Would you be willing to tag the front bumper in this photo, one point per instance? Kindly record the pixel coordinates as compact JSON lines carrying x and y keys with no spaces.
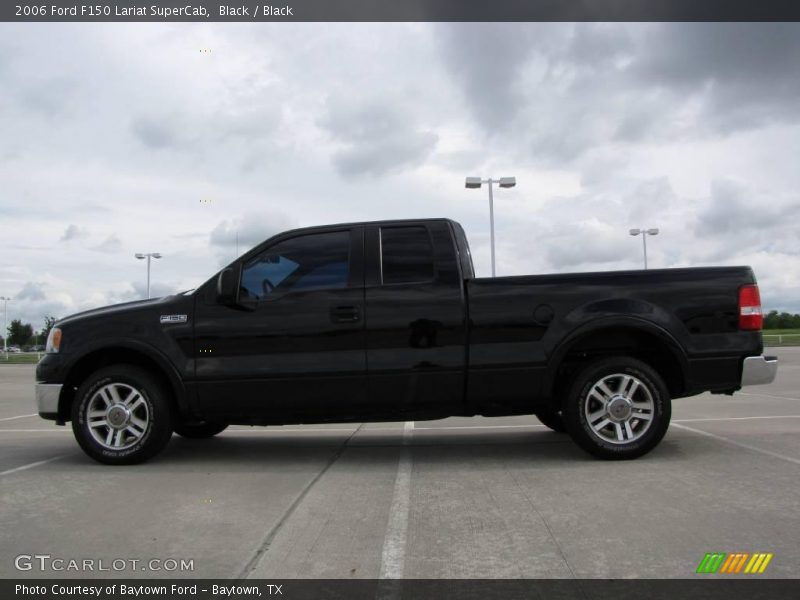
{"x":47,"y":396}
{"x":759,"y":370}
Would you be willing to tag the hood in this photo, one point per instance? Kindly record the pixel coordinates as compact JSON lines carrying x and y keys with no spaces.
{"x":113,"y":309}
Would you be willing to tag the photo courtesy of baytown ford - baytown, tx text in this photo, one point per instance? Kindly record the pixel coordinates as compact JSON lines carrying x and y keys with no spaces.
{"x":426,"y":299}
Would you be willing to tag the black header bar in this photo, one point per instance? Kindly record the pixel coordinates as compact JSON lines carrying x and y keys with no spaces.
{"x":399,"y":10}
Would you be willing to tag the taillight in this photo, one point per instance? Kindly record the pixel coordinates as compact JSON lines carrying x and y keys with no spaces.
{"x":750,"y":317}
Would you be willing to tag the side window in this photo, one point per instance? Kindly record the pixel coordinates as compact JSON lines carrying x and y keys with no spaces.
{"x":306,"y":262}
{"x":406,"y":255}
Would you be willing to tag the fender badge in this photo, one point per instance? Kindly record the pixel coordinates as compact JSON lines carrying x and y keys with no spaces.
{"x":174,"y":318}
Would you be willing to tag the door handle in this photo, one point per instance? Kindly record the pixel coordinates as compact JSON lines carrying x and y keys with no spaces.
{"x":345,"y":314}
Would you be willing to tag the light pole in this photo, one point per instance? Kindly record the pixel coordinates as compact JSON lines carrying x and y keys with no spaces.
{"x":148,"y":256}
{"x":644,"y":233}
{"x":5,"y":324}
{"x":503,"y":182}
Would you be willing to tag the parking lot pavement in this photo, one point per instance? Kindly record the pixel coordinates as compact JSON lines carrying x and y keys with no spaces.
{"x":462,"y":497}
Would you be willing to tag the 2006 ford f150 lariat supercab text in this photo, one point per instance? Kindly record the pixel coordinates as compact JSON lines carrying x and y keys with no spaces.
{"x":386,"y":321}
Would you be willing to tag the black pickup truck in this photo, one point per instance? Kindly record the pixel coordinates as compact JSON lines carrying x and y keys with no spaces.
{"x":386,"y":321}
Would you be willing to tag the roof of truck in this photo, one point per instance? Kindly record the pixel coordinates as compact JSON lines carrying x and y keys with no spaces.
{"x":362,"y":223}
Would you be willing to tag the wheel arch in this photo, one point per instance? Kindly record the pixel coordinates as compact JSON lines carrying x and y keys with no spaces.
{"x":620,"y":336}
{"x":121,"y":353}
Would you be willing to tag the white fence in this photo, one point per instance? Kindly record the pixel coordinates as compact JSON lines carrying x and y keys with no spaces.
{"x":781,"y":339}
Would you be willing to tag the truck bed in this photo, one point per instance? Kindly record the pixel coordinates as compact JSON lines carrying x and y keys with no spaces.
{"x":533,"y":318}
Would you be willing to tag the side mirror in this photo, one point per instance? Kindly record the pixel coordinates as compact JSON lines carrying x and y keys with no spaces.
{"x":227,"y":286}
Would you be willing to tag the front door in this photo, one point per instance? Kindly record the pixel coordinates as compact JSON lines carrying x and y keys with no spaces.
{"x":300,"y":347}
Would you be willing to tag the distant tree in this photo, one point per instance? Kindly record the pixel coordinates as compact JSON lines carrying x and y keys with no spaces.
{"x":19,"y":333}
{"x":771,"y":320}
{"x":48,"y":325}
{"x":784,"y":320}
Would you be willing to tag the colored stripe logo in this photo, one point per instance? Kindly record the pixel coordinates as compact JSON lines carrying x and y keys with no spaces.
{"x":736,"y":562}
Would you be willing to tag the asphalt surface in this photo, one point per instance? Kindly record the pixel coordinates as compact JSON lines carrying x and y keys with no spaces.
{"x":458,"y":498}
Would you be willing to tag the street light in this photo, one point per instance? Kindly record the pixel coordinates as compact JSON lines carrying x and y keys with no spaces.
{"x":148,"y":256}
{"x":644,"y":233}
{"x":503,"y":182}
{"x":5,"y":324}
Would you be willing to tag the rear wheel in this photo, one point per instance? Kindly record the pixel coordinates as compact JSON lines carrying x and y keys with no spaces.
{"x":121,"y":415}
{"x":201,"y":430}
{"x":618,"y":408}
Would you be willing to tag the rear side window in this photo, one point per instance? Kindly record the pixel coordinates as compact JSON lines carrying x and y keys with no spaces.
{"x":406,"y":255}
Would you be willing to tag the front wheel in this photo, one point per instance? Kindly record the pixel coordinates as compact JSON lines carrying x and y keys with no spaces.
{"x":121,"y":415}
{"x":618,"y":408}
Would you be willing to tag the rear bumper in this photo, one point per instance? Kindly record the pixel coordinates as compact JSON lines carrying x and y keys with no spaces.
{"x":47,"y":396}
{"x":759,"y":370}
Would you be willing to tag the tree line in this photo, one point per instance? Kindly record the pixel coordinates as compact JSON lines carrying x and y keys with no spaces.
{"x":22,"y":334}
{"x":775,"y":320}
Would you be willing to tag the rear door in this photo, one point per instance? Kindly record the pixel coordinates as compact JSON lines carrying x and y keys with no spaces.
{"x":416,"y":330}
{"x":302,"y":349}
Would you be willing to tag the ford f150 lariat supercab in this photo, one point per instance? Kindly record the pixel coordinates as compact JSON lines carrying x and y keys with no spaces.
{"x":386,"y":321}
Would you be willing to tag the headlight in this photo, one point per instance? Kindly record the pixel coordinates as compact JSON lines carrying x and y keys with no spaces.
{"x":53,"y":340}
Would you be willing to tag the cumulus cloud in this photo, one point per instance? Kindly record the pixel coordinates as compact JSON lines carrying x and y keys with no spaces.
{"x":648,"y":199}
{"x":52,"y":97}
{"x":570,"y":88}
{"x":31,"y":291}
{"x":732,"y":209}
{"x":592,"y":242}
{"x":247,"y":231}
{"x":137,"y":290}
{"x":111,"y":245}
{"x":73,"y":232}
{"x":740,"y":69}
{"x":378,"y":136}
{"x":158,"y":131}
{"x":194,"y":130}
{"x":34,"y":302}
{"x":487,"y":60}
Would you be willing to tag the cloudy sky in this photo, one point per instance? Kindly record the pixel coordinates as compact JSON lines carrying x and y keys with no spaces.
{"x":124,"y":138}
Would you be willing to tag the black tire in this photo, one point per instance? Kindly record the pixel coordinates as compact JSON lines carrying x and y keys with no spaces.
{"x":200,"y":431}
{"x":638,"y":437}
{"x":552,"y":419}
{"x":153,"y":400}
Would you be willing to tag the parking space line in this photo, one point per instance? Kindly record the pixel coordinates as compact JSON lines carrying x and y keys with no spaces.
{"x":31,"y":465}
{"x":19,"y":417}
{"x":59,"y":430}
{"x":260,"y":430}
{"x":768,"y":396}
{"x":739,"y":444}
{"x":394,"y":543}
{"x":482,"y":427}
{"x":737,"y":418}
{"x":553,"y":537}
{"x":264,"y":547}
